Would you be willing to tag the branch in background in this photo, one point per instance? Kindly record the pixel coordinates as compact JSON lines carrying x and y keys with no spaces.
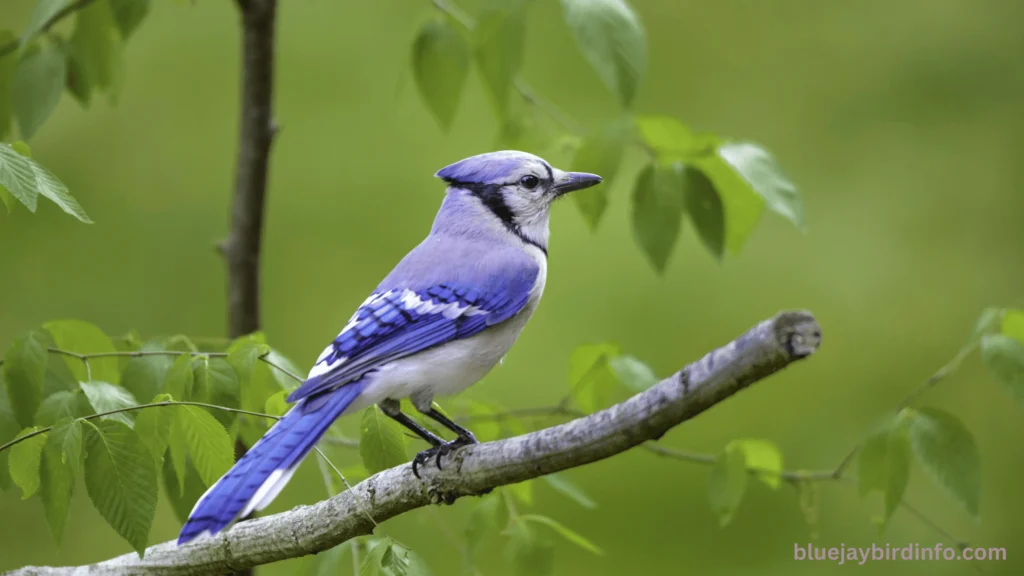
{"x":241,"y":249}
{"x":474,"y":470}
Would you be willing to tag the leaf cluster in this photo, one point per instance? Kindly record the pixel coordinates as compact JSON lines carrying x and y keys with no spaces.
{"x":720,"y":185}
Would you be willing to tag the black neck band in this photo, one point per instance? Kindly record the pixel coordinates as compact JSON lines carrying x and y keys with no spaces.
{"x":492,"y":198}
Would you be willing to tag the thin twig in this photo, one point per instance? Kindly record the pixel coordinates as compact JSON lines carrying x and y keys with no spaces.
{"x":910,"y":398}
{"x":139,"y":407}
{"x":343,"y":481}
{"x":141,"y":353}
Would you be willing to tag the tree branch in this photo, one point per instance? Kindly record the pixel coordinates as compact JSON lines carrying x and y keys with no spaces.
{"x":474,"y":470}
{"x":241,"y":249}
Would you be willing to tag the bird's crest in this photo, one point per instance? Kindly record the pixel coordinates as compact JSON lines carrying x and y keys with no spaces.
{"x":487,"y":168}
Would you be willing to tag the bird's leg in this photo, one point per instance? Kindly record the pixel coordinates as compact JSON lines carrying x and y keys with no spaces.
{"x":465,"y":437}
{"x":392,"y":408}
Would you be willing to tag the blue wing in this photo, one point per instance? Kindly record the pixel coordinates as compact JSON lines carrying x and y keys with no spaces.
{"x":403,"y":321}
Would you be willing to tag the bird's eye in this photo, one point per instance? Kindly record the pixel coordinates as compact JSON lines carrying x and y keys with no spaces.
{"x":529,"y":182}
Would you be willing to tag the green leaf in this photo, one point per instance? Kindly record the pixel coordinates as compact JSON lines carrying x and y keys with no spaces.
{"x":255,"y":382}
{"x":128,"y":14}
{"x":58,"y":406}
{"x":153,"y":425}
{"x":207,"y":442}
{"x":600,"y":153}
{"x":483,"y":520}
{"x":400,"y":561}
{"x":1004,"y":357}
{"x":36,"y":89}
{"x":527,"y":552}
{"x":8,"y":65}
{"x":61,"y":456}
{"x":591,"y":380}
{"x":85,"y":338}
{"x":373,"y":562}
{"x":5,"y":196}
{"x":77,"y":79}
{"x":762,"y":173}
{"x":987,"y":321}
{"x":96,"y":47}
{"x":144,"y":376}
{"x":1012,"y":325}
{"x":26,"y":180}
{"x":9,"y":428}
{"x":611,"y":38}
{"x":564,"y":532}
{"x":104,"y":397}
{"x":182,"y":495}
{"x":277,"y":405}
{"x":705,"y":210}
{"x":741,"y":205}
{"x":381,"y":441}
{"x":883,"y":465}
{"x":223,"y":390}
{"x":946,"y":451}
{"x":440,"y":64}
{"x":726,"y":484}
{"x":121,"y":480}
{"x":180,"y":379}
{"x":24,"y":461}
{"x":41,"y":14}
{"x":562,"y":484}
{"x":498,"y":41}
{"x":658,"y":212}
{"x":761,"y":456}
{"x":668,"y":138}
{"x":633,"y":373}
{"x":24,"y":369}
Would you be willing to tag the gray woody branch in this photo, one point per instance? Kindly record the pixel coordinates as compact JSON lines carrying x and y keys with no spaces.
{"x":765,"y":349}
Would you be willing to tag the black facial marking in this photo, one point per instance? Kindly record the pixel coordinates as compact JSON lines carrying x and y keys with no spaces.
{"x":491,"y":197}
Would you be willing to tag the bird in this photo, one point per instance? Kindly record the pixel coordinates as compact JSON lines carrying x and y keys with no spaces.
{"x":447,"y":313}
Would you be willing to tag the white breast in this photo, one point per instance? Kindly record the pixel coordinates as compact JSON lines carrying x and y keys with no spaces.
{"x":450,"y":368}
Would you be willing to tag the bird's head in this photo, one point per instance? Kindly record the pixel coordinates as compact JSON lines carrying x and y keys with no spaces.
{"x":517,"y":187}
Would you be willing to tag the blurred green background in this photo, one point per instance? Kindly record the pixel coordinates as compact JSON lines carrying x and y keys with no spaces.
{"x":901,"y":122}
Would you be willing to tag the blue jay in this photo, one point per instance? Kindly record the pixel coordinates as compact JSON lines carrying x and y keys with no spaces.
{"x":446,"y":315}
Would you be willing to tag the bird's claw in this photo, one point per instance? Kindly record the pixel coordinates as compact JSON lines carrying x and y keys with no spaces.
{"x":437,"y":452}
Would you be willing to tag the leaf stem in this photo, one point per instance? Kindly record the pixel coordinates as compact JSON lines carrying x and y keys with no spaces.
{"x":912,"y":397}
{"x":60,"y":15}
{"x":140,"y":353}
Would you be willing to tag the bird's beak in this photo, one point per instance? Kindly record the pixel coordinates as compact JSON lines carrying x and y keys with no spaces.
{"x":572,"y":181}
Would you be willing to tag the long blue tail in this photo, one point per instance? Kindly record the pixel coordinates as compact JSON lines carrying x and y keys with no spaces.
{"x":257,"y":478}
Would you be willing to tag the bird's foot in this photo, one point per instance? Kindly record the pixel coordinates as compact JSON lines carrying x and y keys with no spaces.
{"x":437,"y":452}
